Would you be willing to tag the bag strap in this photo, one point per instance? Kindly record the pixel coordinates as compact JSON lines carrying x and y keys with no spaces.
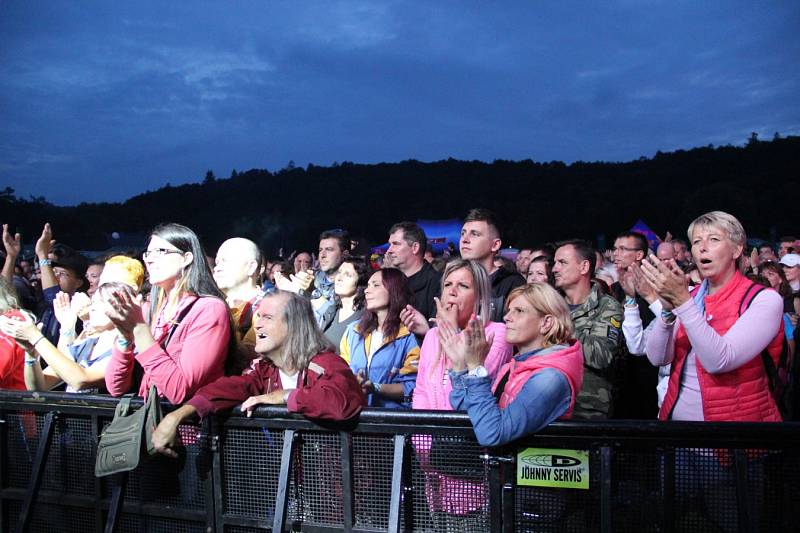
{"x":769,"y":365}
{"x":178,"y":320}
{"x":124,"y":406}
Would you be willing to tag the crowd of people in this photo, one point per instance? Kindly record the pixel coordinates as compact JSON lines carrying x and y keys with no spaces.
{"x":702,"y":329}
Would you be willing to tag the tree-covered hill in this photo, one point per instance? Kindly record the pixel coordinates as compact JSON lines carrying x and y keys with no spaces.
{"x":539,"y":200}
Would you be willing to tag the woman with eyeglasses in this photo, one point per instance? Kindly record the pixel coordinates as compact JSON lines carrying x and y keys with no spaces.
{"x":179,"y":341}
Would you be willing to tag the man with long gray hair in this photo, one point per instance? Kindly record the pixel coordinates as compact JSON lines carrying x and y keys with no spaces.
{"x":297,"y":367}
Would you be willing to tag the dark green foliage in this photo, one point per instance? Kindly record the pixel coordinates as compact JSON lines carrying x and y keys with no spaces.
{"x":539,"y":201}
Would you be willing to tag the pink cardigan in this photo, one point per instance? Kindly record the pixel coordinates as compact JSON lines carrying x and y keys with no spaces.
{"x":444,"y":493}
{"x":433,"y":381}
{"x":203,"y":335}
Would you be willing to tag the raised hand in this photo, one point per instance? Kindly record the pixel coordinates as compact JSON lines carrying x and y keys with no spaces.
{"x":45,"y":242}
{"x":12,"y":243}
{"x":414,"y":321}
{"x":65,"y":314}
{"x":124,"y":310}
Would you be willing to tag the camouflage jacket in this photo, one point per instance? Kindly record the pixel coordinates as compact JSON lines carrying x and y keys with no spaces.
{"x":598,"y":323}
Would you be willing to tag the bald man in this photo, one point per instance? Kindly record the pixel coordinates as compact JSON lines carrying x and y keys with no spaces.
{"x":236,"y":273}
{"x":665,"y":251}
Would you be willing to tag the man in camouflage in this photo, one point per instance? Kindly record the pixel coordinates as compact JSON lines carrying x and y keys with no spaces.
{"x":597,"y":318}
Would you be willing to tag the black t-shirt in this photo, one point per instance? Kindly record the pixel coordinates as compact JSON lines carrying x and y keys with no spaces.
{"x":426,"y":284}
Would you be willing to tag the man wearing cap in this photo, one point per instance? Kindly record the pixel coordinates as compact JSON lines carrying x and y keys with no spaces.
{"x":65,"y":274}
{"x":791,"y":269}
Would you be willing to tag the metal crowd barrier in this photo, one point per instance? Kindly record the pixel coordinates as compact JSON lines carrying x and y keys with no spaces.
{"x":394,"y":471}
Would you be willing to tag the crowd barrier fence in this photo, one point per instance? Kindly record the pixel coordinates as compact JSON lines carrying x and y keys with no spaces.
{"x":394,"y":471}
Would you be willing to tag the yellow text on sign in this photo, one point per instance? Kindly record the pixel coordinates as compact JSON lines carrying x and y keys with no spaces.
{"x":547,"y":467}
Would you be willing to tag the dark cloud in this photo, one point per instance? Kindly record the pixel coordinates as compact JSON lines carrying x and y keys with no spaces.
{"x":101,"y":101}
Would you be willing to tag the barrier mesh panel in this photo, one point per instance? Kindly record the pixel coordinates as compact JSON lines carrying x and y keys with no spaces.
{"x":47,"y":518}
{"x":372,"y":479}
{"x":637,"y":491}
{"x":451,"y":487}
{"x":177,"y":482}
{"x":149,"y":524}
{"x":705,"y":490}
{"x":71,"y":458}
{"x":251,"y":463}
{"x":315,"y":494}
{"x":559,"y":509}
{"x":71,"y":455}
{"x":23,"y":439}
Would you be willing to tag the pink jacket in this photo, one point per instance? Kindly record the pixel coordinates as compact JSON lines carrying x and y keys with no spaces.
{"x":433,"y":382}
{"x":445,"y":493}
{"x":195,"y":355}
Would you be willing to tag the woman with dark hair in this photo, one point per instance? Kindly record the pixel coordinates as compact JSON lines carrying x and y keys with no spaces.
{"x":540,"y":271}
{"x":379,"y":348}
{"x":180,"y":340}
{"x":348,"y":296}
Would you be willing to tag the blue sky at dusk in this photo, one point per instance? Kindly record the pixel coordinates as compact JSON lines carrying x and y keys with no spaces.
{"x":100,"y":101}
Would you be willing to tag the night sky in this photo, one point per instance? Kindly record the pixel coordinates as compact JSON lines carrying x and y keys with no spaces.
{"x":100,"y":101}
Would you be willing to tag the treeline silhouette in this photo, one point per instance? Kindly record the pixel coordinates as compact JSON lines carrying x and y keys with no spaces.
{"x":539,"y":201}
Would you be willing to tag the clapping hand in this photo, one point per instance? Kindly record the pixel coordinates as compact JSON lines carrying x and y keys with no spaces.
{"x":667,"y":280}
{"x":467,"y":349}
{"x":65,"y":312}
{"x":124,"y":309}
{"x":414,"y":321}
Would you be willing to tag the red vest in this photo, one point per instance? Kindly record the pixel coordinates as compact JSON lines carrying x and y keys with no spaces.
{"x":568,"y":361}
{"x":739,"y":395}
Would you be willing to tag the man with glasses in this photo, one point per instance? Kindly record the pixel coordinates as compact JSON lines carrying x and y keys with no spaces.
{"x":634,"y":378}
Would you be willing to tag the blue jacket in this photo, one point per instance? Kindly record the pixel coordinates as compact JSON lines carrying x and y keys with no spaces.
{"x":543,"y":398}
{"x":394,"y":362}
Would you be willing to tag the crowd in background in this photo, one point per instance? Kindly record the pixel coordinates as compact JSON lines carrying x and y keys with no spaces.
{"x":695,"y":329}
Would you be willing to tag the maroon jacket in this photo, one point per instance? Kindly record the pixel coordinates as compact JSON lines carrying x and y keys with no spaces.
{"x":327,"y":390}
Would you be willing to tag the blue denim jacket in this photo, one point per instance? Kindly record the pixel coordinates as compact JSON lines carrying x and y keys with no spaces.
{"x":543,"y":398}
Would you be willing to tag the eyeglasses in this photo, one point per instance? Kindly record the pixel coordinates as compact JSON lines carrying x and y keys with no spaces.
{"x":158,"y":252}
{"x":62,"y":274}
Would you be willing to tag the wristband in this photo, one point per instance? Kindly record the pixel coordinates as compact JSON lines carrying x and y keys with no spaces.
{"x":45,"y":262}
{"x":630,"y":301}
{"x":37,"y":341}
{"x":66,"y":332}
{"x":376,"y":387}
{"x":31,"y":362}
{"x":668,"y":317}
{"x":123,"y":344}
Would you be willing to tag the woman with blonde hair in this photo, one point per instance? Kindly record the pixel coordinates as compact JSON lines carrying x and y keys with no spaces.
{"x":714,"y":335}
{"x":538,"y":386}
{"x":466,"y":292}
